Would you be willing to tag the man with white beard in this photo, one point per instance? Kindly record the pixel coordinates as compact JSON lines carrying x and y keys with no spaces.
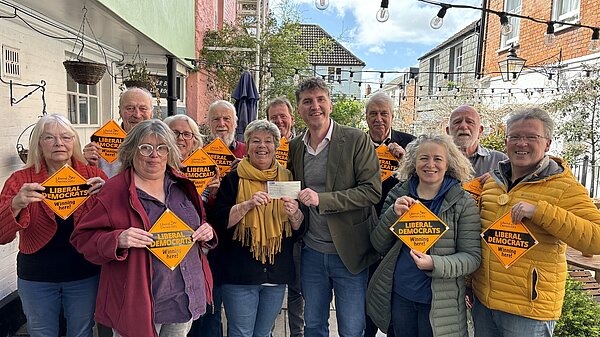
{"x":465,"y":129}
{"x":222,"y":120}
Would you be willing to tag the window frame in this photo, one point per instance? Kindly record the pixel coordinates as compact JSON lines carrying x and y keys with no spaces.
{"x":78,"y":95}
{"x":434,"y":71}
{"x":571,"y":16}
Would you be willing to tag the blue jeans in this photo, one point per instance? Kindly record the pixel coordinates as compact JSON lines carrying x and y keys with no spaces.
{"x":410,"y":318}
{"x":251,"y":310}
{"x":496,"y":323}
{"x":42,"y":302}
{"x":322,"y":273}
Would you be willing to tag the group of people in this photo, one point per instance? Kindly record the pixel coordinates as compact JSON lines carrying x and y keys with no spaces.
{"x":333,"y":238}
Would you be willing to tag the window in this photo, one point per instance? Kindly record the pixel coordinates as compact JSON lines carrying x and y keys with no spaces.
{"x":456,"y":64}
{"x":565,"y":10}
{"x":82,"y":103}
{"x":434,"y":73}
{"x":513,"y":7}
{"x":334,"y":74}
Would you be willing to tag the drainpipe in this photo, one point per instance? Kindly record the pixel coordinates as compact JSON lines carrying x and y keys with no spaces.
{"x":171,"y":86}
{"x":479,"y":65}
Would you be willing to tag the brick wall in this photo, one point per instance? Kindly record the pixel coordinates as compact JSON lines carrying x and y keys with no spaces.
{"x":573,"y":41}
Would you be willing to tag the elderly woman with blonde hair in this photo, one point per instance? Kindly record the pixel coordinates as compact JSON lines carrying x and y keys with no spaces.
{"x":255,"y":233}
{"x":51,"y":274}
{"x":423,"y":294}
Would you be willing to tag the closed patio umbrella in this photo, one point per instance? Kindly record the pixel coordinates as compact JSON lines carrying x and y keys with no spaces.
{"x":246,"y":101}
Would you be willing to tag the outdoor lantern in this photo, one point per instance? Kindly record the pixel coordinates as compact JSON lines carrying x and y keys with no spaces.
{"x":511,"y":66}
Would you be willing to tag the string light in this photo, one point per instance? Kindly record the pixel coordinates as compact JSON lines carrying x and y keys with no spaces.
{"x":383,"y":14}
{"x":594,"y":45}
{"x":438,"y":20}
{"x":322,"y":4}
{"x":506,"y":27}
{"x":549,"y":37}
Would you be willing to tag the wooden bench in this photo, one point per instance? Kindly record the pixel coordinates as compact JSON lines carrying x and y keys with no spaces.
{"x":575,"y":258}
{"x":590,"y":285}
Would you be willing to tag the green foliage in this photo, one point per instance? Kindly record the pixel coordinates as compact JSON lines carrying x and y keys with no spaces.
{"x":348,"y":111}
{"x":580,"y":314}
{"x":494,"y":140}
{"x":573,"y":151}
{"x":139,"y":72}
{"x":578,"y":112}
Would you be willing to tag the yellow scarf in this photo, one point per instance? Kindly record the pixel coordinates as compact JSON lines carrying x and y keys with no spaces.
{"x":262,"y":227}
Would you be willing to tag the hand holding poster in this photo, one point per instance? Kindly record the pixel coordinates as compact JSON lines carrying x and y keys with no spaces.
{"x":282,"y":152}
{"x":220,"y":154}
{"x":388,"y":164}
{"x":200,"y":169}
{"x":172,"y":239}
{"x":66,"y":190}
{"x":475,"y":188}
{"x":109,"y":137}
{"x":419,"y":228}
{"x":507,"y":240}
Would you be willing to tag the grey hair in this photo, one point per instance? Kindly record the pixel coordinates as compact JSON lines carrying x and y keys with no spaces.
{"x":459,"y":167}
{"x":532,"y":113}
{"x":151,"y":127}
{"x":35,"y":155}
{"x":280,"y":101}
{"x":225,"y":104}
{"x":380,"y":98}
{"x":193,"y":126}
{"x":131,"y":89}
{"x":262,"y":125}
{"x":311,"y":83}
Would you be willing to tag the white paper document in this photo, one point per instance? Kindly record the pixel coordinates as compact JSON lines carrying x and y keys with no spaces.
{"x":278,"y":189}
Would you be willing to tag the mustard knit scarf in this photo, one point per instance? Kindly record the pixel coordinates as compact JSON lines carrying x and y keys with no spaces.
{"x":262,"y":227}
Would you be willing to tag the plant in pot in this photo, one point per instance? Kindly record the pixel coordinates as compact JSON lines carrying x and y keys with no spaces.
{"x":140,"y":77}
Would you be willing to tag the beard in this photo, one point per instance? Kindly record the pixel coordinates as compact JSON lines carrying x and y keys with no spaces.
{"x":465,"y":143}
{"x":228,"y":139}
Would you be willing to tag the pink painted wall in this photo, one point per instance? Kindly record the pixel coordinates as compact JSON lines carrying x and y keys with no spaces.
{"x":198,"y":96}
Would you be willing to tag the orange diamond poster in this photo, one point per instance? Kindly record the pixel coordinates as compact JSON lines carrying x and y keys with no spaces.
{"x":419,"y":228}
{"x":172,"y":239}
{"x":200,"y":169}
{"x":221,"y":155}
{"x":282,"y":152}
{"x":388,"y":164}
{"x":109,"y":137}
{"x":66,"y":190}
{"x":474,"y":187}
{"x":507,"y":240}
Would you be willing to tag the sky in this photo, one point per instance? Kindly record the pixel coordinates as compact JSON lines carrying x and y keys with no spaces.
{"x":393,"y":45}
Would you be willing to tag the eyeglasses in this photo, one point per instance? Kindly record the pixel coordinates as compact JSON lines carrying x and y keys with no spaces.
{"x":48,"y":139}
{"x":526,"y":138}
{"x":146,"y":150}
{"x":186,"y":134}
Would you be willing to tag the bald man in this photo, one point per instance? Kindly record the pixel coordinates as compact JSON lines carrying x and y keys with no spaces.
{"x":465,"y":129}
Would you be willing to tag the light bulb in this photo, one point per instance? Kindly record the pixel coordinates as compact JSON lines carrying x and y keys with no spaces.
{"x":322,"y":4}
{"x":383,"y":14}
{"x":549,"y":40}
{"x":436,"y":22}
{"x":594,"y":45}
{"x":506,"y":29}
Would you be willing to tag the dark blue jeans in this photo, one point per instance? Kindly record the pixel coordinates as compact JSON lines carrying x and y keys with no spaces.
{"x":410,"y":319}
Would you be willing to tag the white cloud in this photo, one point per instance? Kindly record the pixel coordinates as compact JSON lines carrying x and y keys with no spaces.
{"x":377,"y":50}
{"x":408,"y":22}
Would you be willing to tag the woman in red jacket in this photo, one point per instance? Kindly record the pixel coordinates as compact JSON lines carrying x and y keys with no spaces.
{"x":138,"y":295}
{"x":51,"y":273}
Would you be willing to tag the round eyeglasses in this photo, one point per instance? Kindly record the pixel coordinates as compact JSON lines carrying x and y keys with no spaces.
{"x":146,"y":150}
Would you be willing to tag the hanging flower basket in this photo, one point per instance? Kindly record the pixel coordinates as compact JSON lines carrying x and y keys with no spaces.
{"x":139,"y":84}
{"x":88,"y":73}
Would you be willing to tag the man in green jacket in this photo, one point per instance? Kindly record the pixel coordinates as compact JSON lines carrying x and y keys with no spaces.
{"x":341,"y":183}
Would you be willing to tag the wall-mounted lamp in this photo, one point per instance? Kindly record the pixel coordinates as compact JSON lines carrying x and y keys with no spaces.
{"x":511,"y":66}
